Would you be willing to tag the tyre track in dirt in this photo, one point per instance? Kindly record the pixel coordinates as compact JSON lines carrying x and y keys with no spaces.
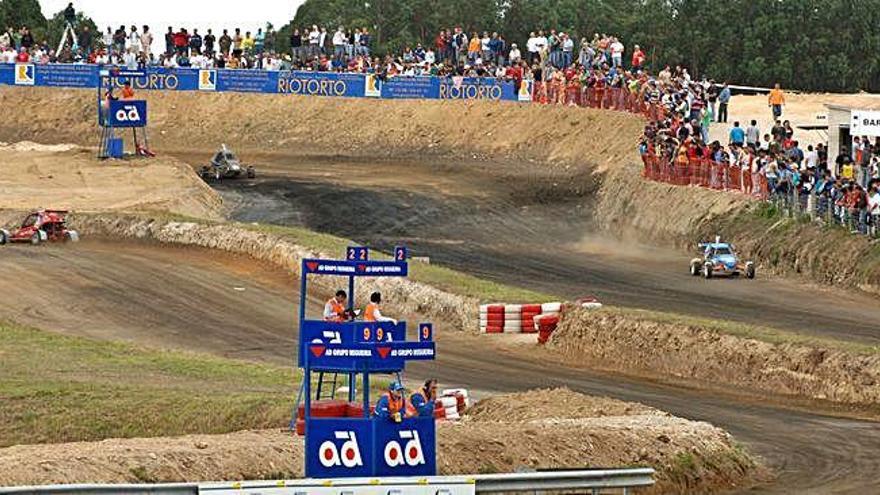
{"x":186,"y":298}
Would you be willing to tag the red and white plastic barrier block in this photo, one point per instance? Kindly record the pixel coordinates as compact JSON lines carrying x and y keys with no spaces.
{"x":527,"y":318}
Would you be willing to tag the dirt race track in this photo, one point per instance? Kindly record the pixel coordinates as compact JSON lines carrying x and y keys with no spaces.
{"x":201,"y":300}
{"x":509,"y":231}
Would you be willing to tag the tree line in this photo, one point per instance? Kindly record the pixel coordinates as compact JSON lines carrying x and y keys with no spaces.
{"x":813,"y":45}
{"x":17,"y":13}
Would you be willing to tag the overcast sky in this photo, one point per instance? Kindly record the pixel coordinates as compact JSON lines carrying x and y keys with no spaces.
{"x":201,"y":14}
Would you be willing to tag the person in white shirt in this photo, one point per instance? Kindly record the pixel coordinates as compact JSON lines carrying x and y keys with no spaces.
{"x":339,"y":40}
{"x":130,"y":59}
{"x":811,"y":159}
{"x":616,"y":52}
{"x":430,"y":58}
{"x":134,"y":39}
{"x":107,"y":38}
{"x":514,"y":55}
{"x":874,"y":208}
{"x":314,"y":41}
{"x":147,"y":41}
{"x":532,"y":48}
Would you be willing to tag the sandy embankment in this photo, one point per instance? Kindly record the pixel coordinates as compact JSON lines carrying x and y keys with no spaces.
{"x":635,"y":345}
{"x":538,"y":429}
{"x":70,"y":177}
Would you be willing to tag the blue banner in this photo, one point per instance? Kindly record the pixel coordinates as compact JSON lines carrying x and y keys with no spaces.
{"x":356,"y":268}
{"x":350,"y":447}
{"x":328,"y":333}
{"x":260,"y":81}
{"x":449,"y":88}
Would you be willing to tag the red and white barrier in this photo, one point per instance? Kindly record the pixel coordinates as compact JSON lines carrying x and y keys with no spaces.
{"x":527,"y":318}
{"x":514,"y":318}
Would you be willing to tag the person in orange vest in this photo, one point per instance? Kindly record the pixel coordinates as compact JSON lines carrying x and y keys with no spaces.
{"x":372,"y":313}
{"x":421,"y":403}
{"x":390,"y":405}
{"x":127,"y":91}
{"x":334,"y":310}
{"x":776,"y":100}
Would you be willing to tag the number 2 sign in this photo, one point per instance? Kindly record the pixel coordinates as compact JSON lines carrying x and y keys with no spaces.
{"x":400,"y":254}
{"x":357,"y":253}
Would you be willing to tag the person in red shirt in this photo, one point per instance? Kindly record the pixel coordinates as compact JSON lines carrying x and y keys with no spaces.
{"x":181,"y":41}
{"x":515,"y":73}
{"x":23,"y":56}
{"x":638,"y":59}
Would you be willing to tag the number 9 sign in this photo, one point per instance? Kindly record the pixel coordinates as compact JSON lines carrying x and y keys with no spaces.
{"x":367,"y":334}
{"x":400,"y":254}
{"x":380,"y":334}
{"x":426,"y":332}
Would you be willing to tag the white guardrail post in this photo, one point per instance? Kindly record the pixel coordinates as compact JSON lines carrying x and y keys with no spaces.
{"x":595,"y":480}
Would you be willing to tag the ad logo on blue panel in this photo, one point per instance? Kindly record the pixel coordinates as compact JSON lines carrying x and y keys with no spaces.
{"x":131,"y":113}
{"x":24,"y":74}
{"x":338,"y":448}
{"x":406,"y":449}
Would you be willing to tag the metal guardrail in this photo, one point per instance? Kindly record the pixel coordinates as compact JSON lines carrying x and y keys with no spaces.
{"x":540,"y":481}
{"x":595,"y":480}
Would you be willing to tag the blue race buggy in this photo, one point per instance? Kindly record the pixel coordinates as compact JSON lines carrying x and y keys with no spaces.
{"x":719,"y":258}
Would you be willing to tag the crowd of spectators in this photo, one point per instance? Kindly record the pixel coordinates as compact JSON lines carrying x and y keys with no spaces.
{"x":769,"y":163}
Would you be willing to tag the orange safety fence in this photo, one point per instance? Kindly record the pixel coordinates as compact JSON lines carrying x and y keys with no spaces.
{"x":704,"y":173}
{"x":685,"y":172}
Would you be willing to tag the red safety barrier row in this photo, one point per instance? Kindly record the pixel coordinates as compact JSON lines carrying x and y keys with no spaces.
{"x":574,"y":94}
{"x":705,"y":173}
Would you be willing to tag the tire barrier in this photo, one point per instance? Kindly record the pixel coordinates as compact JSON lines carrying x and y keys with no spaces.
{"x":492,"y":318}
{"x":514,"y":318}
{"x":451,"y":404}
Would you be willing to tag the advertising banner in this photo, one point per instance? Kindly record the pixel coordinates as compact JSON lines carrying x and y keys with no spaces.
{"x":331,"y":84}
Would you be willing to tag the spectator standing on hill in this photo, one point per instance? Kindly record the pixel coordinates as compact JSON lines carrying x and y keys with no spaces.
{"x":295,"y":45}
{"x":776,"y":101}
{"x":225,"y":43}
{"x":616,"y":52}
{"x":85,"y":40}
{"x":147,"y":42}
{"x":723,"y":102}
{"x":753,"y":135}
{"x":119,"y":38}
{"x":169,"y":40}
{"x":638,"y":59}
{"x":195,"y":42}
{"x":737,"y":135}
{"x":209,"y":40}
{"x":134,"y":39}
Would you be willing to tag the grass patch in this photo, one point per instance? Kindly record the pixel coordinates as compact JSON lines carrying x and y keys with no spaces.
{"x":56,"y":388}
{"x":745,"y":330}
{"x":437,"y":276}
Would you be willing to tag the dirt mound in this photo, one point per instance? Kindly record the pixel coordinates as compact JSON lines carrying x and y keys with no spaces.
{"x":362,"y":127}
{"x":687,"y":455}
{"x":529,"y":406}
{"x":66,"y":176}
{"x":635,"y":345}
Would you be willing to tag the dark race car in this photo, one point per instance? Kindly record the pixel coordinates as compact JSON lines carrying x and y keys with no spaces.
{"x":41,"y":226}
